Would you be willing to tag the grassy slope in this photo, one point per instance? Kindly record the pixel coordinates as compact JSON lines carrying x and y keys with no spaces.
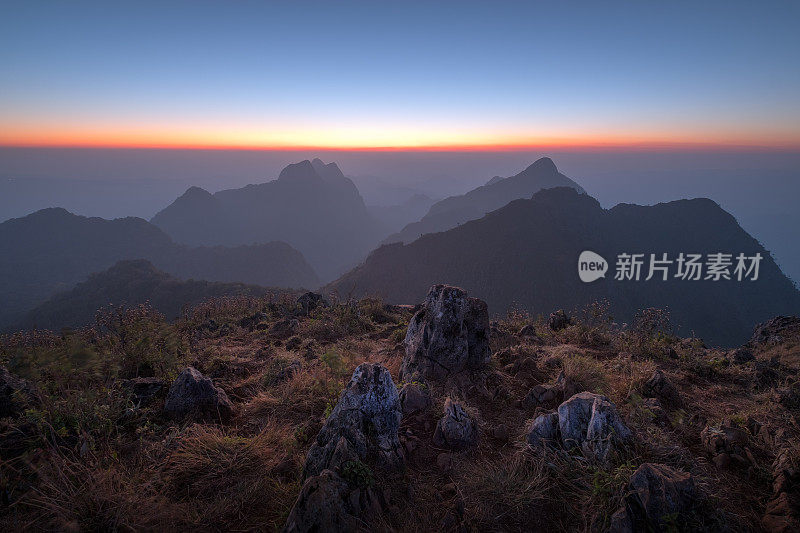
{"x":88,"y":460}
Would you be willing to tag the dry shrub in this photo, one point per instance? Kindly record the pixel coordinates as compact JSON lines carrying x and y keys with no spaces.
{"x":74,"y":495}
{"x":588,"y":374}
{"x":228,"y":478}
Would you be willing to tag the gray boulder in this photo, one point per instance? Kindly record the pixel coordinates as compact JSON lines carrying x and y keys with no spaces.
{"x":363,"y":425}
{"x":658,"y":499}
{"x":16,"y":394}
{"x":192,"y":395}
{"x":456,"y":429}
{"x":544,"y":430}
{"x":448,"y":335}
{"x":414,"y":398}
{"x":322,"y":506}
{"x":591,"y":422}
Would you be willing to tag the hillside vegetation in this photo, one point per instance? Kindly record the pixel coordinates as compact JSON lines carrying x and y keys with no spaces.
{"x":88,"y":442}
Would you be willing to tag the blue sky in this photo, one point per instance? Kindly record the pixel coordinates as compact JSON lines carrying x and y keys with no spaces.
{"x":355,"y":74}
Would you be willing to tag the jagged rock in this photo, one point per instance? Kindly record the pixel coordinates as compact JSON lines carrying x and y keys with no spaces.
{"x":725,"y":444}
{"x":542,"y":396}
{"x":741,"y":356}
{"x":544,"y":430}
{"x":658,"y":386}
{"x":559,"y":320}
{"x":448,"y":335}
{"x":323,"y":505}
{"x":658,"y":499}
{"x":414,"y":398}
{"x":775,"y":330}
{"x":456,"y":429}
{"x":16,"y":394}
{"x":591,"y":422}
{"x":194,"y":395}
{"x":366,"y":420}
{"x":283,"y":329}
{"x":310,"y":301}
{"x":143,"y":390}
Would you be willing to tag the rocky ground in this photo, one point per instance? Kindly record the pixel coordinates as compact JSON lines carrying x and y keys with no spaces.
{"x":310,"y":415}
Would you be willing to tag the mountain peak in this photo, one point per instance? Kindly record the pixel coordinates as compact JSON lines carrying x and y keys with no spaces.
{"x":195,"y":192}
{"x":304,"y":170}
{"x":544,"y":164}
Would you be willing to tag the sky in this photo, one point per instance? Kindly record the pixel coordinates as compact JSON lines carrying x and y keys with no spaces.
{"x":400,"y":75}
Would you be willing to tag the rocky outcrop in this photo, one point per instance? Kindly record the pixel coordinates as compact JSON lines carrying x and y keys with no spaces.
{"x":658,"y":499}
{"x":329,"y":502}
{"x":362,"y":426}
{"x":192,"y":395}
{"x":16,"y":394}
{"x":456,"y":430}
{"x":414,"y":398}
{"x":591,"y":422}
{"x":448,"y":335}
{"x":544,"y":431}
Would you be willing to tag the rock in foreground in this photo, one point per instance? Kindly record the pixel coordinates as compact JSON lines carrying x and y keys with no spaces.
{"x":448,"y":335}
{"x":192,"y":395}
{"x":659,"y":498}
{"x":362,"y":426}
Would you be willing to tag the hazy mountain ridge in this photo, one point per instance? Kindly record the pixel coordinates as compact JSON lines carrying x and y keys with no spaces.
{"x":526,"y":254}
{"x":497,"y":192}
{"x":129,"y":283}
{"x":52,"y":250}
{"x":312,"y":206}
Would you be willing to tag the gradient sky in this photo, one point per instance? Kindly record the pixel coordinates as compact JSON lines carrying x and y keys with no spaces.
{"x":375,"y":74}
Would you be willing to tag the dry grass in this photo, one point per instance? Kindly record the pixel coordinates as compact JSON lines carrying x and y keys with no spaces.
{"x":84,"y":470}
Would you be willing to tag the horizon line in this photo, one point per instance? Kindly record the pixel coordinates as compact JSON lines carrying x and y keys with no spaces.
{"x":634,"y":146}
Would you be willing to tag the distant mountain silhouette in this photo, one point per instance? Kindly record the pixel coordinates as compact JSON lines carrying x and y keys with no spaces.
{"x":52,"y":250}
{"x":130,"y":282}
{"x":311,"y":206}
{"x":497,"y":192}
{"x":395,"y":217}
{"x":526,"y":254}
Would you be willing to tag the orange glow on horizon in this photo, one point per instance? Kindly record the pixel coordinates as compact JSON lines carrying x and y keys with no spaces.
{"x":364,"y":140}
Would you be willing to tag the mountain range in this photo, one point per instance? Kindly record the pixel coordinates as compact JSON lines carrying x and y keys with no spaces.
{"x":128,"y":283}
{"x":312,"y":206}
{"x":52,"y":250}
{"x":526,"y":255}
{"x":497,"y":192}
